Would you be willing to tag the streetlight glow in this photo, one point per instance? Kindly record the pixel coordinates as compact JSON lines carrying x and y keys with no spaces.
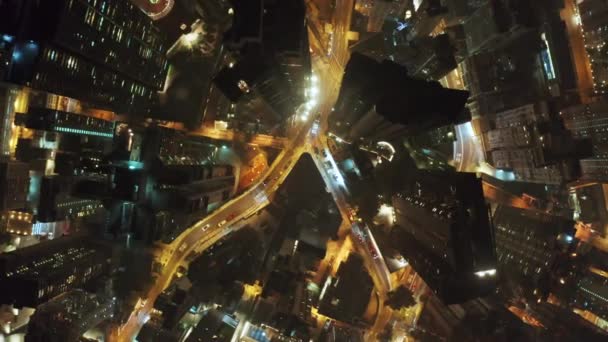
{"x":191,"y":37}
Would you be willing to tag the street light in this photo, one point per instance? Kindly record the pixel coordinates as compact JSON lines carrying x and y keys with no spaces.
{"x":191,"y":37}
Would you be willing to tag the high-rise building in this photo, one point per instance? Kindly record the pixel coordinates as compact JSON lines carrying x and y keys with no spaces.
{"x":528,"y":244}
{"x":498,"y":72}
{"x":183,"y":180}
{"x":64,"y":122}
{"x":474,"y":319}
{"x":590,"y":121}
{"x":591,"y":294}
{"x":346,"y":296}
{"x":594,"y":18}
{"x":31,"y":276}
{"x":532,"y":143}
{"x":495,"y":22}
{"x":402,"y":102}
{"x":271,"y":75}
{"x":107,"y":53}
{"x":503,"y":78}
{"x":435,"y":58}
{"x":14,"y":184}
{"x":444,"y":231}
{"x":561,"y":324}
{"x":68,"y":316}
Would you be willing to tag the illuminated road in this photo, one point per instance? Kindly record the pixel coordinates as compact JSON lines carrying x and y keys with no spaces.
{"x":214,"y":227}
{"x":366,"y":246}
{"x":226,"y":219}
{"x":468,"y":152}
{"x":230,"y":135}
{"x":579,"y":55}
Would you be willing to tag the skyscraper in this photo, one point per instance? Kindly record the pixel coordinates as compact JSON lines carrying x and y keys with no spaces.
{"x":589,"y":121}
{"x":32,"y":275}
{"x":401,"y":102}
{"x":532,"y":143}
{"x":444,"y":231}
{"x":68,"y":316}
{"x":527,"y":246}
{"x":591,"y":294}
{"x":107,"y":53}
{"x":14,"y":184}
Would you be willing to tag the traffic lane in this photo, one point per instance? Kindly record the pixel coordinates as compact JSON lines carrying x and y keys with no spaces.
{"x":190,"y":238}
{"x":362,"y":235}
{"x":342,"y":19}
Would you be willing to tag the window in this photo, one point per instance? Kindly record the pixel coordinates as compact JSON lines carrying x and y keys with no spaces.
{"x":89,"y":18}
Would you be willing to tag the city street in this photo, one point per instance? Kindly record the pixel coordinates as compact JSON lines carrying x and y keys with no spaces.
{"x":580,"y":58}
{"x":224,"y":221}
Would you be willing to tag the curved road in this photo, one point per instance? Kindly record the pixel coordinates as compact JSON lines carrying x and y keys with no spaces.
{"x":213,"y":228}
{"x":224,"y":221}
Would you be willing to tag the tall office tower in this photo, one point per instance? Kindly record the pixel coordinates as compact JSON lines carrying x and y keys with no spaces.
{"x":481,"y":318}
{"x":166,"y":177}
{"x":430,"y":58}
{"x":14,"y":184}
{"x":273,"y":60}
{"x":401,"y":102}
{"x":528,"y":244}
{"x":196,"y":30}
{"x":488,"y":25}
{"x":58,"y":121}
{"x":503,"y":78}
{"x":431,"y":16}
{"x":590,"y":121}
{"x":444,"y":231}
{"x":32,"y":275}
{"x":68,"y":316}
{"x":530,"y":141}
{"x":591,"y":294}
{"x":594,"y":18}
{"x":182,"y":165}
{"x":107,"y":53}
{"x":346,"y":296}
{"x":499,"y":73}
{"x":379,"y":11}
{"x":561,"y":324}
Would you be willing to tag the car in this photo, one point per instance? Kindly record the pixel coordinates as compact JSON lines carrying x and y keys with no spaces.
{"x":183,"y":247}
{"x":231,"y":217}
{"x":325,"y":154}
{"x":205,"y":227}
{"x":223,"y":222}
